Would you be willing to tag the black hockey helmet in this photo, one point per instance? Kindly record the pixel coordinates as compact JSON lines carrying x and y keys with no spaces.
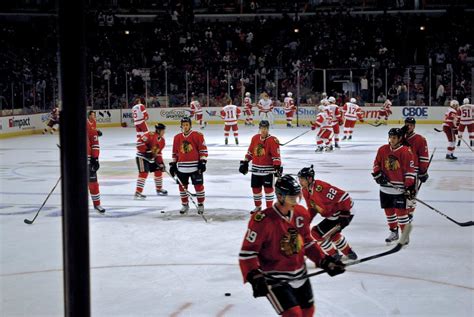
{"x":410,"y":120}
{"x":287,"y":185}
{"x":264,"y":124}
{"x":160,"y":126}
{"x":186,"y":119}
{"x":306,"y":172}
{"x":395,"y":131}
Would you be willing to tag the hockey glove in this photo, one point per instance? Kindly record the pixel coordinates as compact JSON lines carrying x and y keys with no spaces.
{"x":173,"y":169}
{"x":410,"y":192}
{"x":160,"y":167}
{"x":259,"y":284}
{"x":244,"y":167}
{"x":332,"y":266}
{"x":278,"y":170}
{"x":345,"y":218}
{"x":423,"y":177}
{"x":202,"y":166}
{"x":152,"y":166}
{"x":380,"y":178}
{"x":99,"y":133}
{"x":94,"y":164}
{"x":149,"y":156}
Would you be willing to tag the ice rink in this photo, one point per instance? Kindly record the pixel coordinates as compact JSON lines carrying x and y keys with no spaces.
{"x":148,"y":263}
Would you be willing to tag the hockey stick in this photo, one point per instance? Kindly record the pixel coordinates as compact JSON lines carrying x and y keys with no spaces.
{"x":404,"y":238}
{"x":429,"y":163}
{"x":465,"y":142}
{"x":29,"y":222}
{"x":375,"y":125}
{"x":190,"y":196}
{"x":283,"y":144}
{"x":437,"y":130}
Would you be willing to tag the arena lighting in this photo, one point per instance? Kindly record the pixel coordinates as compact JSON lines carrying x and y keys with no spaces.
{"x":127,"y":32}
{"x":422,"y":28}
{"x":296,"y":30}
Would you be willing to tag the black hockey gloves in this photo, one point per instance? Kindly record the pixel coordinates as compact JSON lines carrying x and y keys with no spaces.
{"x":202,"y":166}
{"x":423,"y":177}
{"x":331,"y":266}
{"x":380,"y":178}
{"x":278,"y":170}
{"x":99,"y":133}
{"x":173,"y":169}
{"x":244,"y":167}
{"x":259,"y":284}
{"x":410,"y":192}
{"x":94,"y":164}
{"x":345,"y":218}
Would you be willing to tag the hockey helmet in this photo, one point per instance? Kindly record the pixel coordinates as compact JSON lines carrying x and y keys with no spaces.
{"x":353,"y":100}
{"x":321,"y":108}
{"x":264,"y":124}
{"x":324,"y":101}
{"x":388,"y":102}
{"x":186,"y":119}
{"x":395,"y":132}
{"x":289,"y":94}
{"x":159,"y":127}
{"x":306,"y":172}
{"x":465,"y":101}
{"x":410,"y":120}
{"x":287,"y":185}
{"x":247,"y":94}
{"x":332,"y":99}
{"x":454,"y":103}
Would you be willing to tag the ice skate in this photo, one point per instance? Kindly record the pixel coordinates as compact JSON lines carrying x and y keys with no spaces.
{"x":336,"y":145}
{"x":352,"y":256}
{"x":236,"y":141}
{"x":200,"y":209}
{"x":226,"y":141}
{"x":139,"y":196}
{"x":470,"y":142}
{"x":344,"y":138}
{"x":329,"y":148}
{"x":162,"y":192}
{"x":319,"y":149}
{"x":392,"y":237}
{"x":99,"y":209}
{"x":459,"y":143}
{"x":350,"y":137}
{"x":337,"y":257}
{"x":184,"y":209}
{"x":451,"y":157}
{"x":256,"y":209}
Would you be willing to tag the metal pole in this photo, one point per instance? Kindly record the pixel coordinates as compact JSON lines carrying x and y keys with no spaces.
{"x":242,"y":86}
{"x":146,"y":93}
{"x":228,"y":83}
{"x":126,"y":89}
{"x":429,"y":88}
{"x":297,"y":97}
{"x":44,"y":98}
{"x":108,"y":93}
{"x":324,"y":80}
{"x":207,"y":87}
{"x":373,"y":84}
{"x":74,"y":169}
{"x":166,"y":87}
{"x":23,"y":94}
{"x":187,"y":92}
{"x":386,"y":83}
{"x":452,"y":83}
{"x":276,"y":83}
{"x":92,"y":90}
{"x":408,"y":87}
{"x":13,"y":98}
{"x":256,"y":88}
{"x":351,"y":84}
{"x":472,"y":86}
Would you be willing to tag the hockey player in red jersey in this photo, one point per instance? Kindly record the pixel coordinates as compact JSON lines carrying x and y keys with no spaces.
{"x":384,"y":112}
{"x":289,"y":108}
{"x":394,"y":171}
{"x":248,"y":109}
{"x":419,"y":148}
{"x":196,"y":111}
{"x":53,"y":121}
{"x":272,"y":257}
{"x":230,"y":114}
{"x":336,"y":118}
{"x":351,"y":112}
{"x":150,"y":159}
{"x":264,"y":152}
{"x":450,"y":128}
{"x":325,"y":133}
{"x":189,"y":161}
{"x":93,"y":151}
{"x":140,"y":116}
{"x":465,"y":120}
{"x":334,"y":205}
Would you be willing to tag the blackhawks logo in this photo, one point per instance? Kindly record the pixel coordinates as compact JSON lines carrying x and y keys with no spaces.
{"x":392,"y":163}
{"x":185,"y":147}
{"x":155,"y":150}
{"x":259,"y":150}
{"x":291,"y":243}
{"x":259,"y":216}
{"x":315,"y":206}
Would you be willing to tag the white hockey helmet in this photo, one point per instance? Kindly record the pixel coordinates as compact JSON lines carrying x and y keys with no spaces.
{"x":324,"y":101}
{"x":388,"y":102}
{"x":324,"y":95}
{"x":353,"y":100}
{"x":454,"y":103}
{"x":332,"y":99}
{"x":289,"y":94}
{"x":465,"y":101}
{"x":247,"y":94}
{"x":321,"y":108}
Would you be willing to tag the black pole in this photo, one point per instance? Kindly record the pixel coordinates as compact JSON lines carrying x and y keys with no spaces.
{"x":74,"y":158}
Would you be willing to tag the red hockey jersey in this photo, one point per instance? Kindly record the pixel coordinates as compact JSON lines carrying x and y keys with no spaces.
{"x":327,"y":200}
{"x":93,"y":148}
{"x":277,"y":244}
{"x":188,"y":149}
{"x":264,"y":154}
{"x":398,"y":167}
{"x":419,"y":148}
{"x":151,"y":142}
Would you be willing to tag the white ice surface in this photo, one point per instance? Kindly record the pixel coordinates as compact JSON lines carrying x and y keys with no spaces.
{"x":148,"y":263}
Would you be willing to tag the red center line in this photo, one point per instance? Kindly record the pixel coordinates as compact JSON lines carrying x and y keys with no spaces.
{"x":181,"y":309}
{"x":224,"y":310}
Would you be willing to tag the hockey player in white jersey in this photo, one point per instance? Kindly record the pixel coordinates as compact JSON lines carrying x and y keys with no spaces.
{"x":289,"y":108}
{"x":248,"y":109}
{"x":230,"y":114}
{"x":265,"y":106}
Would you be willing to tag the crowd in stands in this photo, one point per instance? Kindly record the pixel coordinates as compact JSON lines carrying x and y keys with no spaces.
{"x":128,"y":56}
